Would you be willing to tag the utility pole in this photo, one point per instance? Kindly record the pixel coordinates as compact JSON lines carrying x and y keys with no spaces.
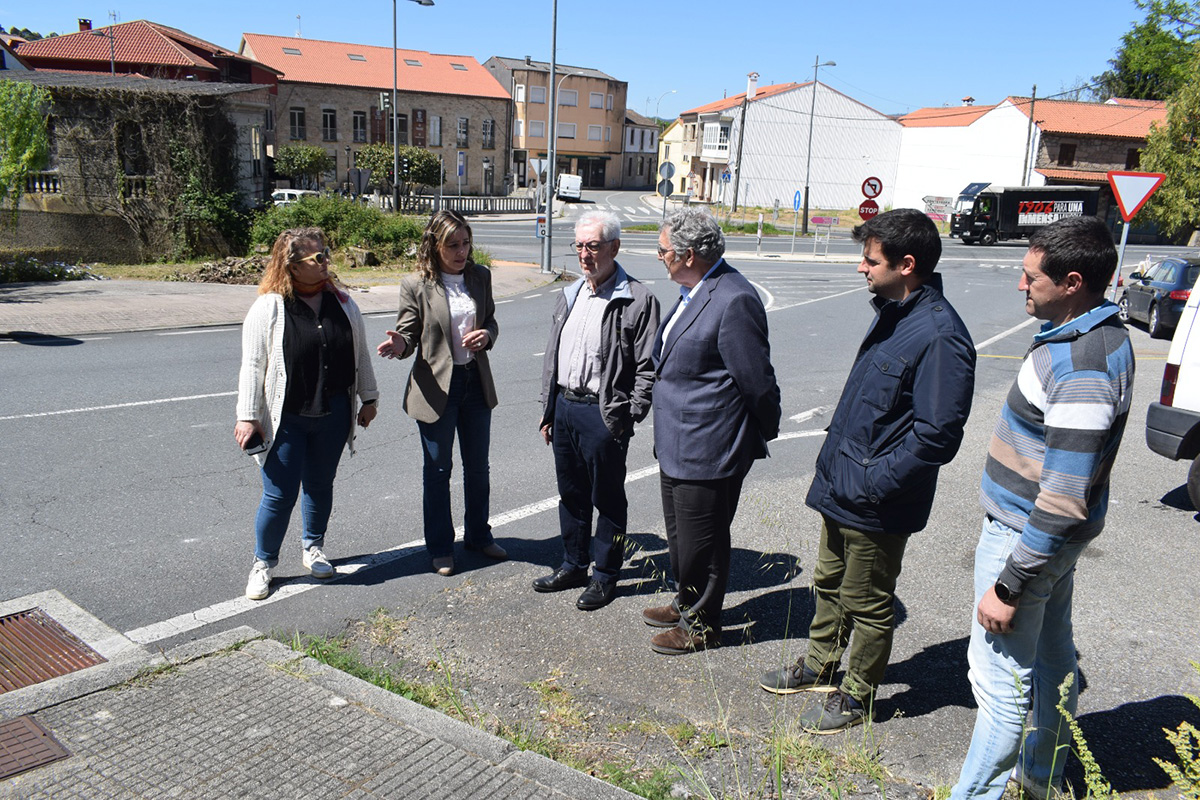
{"x":1028,"y":138}
{"x":751,"y":86}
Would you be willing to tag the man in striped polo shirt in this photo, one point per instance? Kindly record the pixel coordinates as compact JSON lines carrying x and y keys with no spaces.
{"x":1045,"y":492}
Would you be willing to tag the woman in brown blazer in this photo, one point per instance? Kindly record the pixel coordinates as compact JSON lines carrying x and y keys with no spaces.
{"x":448,"y":320}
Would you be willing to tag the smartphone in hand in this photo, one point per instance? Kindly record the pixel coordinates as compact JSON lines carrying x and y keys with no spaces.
{"x":255,"y":444}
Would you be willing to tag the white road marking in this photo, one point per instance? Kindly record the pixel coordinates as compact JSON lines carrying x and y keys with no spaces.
{"x":770,"y":297}
{"x":192,"y":620}
{"x":199,"y":330}
{"x":1003,"y":334}
{"x":502,"y":302}
{"x":812,"y":412}
{"x":95,"y":338}
{"x":120,"y":405}
{"x":817,"y":299}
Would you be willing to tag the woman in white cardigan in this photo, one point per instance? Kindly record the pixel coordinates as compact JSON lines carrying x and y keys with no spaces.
{"x":305,"y":367}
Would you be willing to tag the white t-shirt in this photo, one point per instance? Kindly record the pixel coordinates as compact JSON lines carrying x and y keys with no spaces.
{"x":462,"y":315}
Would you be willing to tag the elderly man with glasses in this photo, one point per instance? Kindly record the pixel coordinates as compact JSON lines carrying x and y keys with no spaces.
{"x":716,"y":405}
{"x":596,"y":384}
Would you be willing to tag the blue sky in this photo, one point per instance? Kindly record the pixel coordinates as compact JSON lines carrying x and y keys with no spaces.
{"x":894,"y":57}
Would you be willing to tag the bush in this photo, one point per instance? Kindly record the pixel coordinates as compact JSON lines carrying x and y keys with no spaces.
{"x":347,"y":224}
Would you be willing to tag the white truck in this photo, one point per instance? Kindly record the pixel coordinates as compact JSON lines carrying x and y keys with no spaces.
{"x":570,"y":187}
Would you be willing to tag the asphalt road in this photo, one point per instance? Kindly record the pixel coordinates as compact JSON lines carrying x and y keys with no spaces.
{"x":121,"y":486}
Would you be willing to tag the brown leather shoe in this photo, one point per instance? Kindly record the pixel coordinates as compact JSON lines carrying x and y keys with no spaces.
{"x":661,"y":617}
{"x":676,"y":641}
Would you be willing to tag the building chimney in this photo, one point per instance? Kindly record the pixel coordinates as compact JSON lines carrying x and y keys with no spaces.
{"x":528,"y":61}
{"x":85,"y":24}
{"x":968,"y":101}
{"x":751,"y":85}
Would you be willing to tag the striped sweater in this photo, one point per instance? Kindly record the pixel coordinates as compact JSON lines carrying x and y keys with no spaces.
{"x":1053,"y":447}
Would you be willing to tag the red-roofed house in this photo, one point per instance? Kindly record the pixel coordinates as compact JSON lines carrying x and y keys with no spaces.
{"x":850,"y":143}
{"x":332,"y":94}
{"x":944,"y":149}
{"x":144,"y":48}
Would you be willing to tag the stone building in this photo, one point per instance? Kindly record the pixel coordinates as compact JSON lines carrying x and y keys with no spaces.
{"x":335,"y":95}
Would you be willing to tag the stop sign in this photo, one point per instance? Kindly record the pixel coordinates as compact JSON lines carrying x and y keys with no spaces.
{"x":868,"y":209}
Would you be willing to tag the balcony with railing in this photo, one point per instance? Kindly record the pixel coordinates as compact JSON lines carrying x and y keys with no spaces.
{"x":715,"y":143}
{"x":46,"y":182}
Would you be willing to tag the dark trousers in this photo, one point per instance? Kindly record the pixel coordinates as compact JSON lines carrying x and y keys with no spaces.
{"x":698,"y":515}
{"x":467,"y":414}
{"x":591,"y":475}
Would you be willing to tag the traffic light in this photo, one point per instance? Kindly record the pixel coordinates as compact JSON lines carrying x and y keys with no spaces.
{"x":385,"y":101}
{"x":404,"y":166}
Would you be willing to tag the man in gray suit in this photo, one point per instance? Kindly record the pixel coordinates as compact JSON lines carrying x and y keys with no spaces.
{"x":716,"y":405}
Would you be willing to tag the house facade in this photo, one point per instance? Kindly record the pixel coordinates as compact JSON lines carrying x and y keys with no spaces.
{"x":850,"y":142}
{"x":671,"y":151}
{"x":591,"y":120}
{"x":640,"y":166}
{"x":337,"y":96}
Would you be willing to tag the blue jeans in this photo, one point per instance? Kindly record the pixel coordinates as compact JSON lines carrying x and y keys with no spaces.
{"x":303,"y":461}
{"x":591,"y":475}
{"x":467,"y":413}
{"x":1007,"y":668}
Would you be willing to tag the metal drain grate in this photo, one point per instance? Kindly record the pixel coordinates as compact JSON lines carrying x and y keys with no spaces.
{"x":35,"y":648}
{"x":24,"y":745}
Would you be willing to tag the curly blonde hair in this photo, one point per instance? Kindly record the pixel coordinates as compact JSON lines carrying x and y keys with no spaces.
{"x":277,"y":278}
{"x":442,"y":225}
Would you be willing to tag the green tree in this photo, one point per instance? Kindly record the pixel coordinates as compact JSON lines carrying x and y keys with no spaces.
{"x":423,"y":166}
{"x":303,"y":162}
{"x":24,"y":143}
{"x":1174,"y":150}
{"x":1152,"y":61}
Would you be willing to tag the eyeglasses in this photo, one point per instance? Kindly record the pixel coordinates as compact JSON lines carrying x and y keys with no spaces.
{"x":321,"y":257}
{"x":662,"y":251}
{"x":592,"y":247}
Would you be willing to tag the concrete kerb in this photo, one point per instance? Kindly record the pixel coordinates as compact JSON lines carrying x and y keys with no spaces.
{"x":130,"y":661}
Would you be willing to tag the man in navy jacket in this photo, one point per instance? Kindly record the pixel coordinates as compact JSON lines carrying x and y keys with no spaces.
{"x":900,"y":417}
{"x":716,"y":405}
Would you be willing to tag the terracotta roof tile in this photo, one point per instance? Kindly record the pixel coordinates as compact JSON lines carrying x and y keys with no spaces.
{"x":137,"y":42}
{"x":736,"y":100}
{"x":330,"y":63}
{"x":1076,"y":175}
{"x":1122,"y":121}
{"x":946,"y":117}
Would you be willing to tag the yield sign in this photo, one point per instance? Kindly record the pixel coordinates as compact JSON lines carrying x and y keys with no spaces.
{"x":1133,"y":189}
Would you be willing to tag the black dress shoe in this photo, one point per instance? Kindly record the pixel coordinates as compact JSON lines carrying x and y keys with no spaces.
{"x":563,"y":578}
{"x":596,"y":595}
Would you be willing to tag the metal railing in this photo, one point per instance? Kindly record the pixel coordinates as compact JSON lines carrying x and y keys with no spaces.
{"x":427,"y":204}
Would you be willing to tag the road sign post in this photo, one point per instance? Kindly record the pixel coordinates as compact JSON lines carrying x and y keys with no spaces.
{"x":1131,"y":190}
{"x":797,"y":202}
{"x":868,"y":209}
{"x":760,"y":224}
{"x":666,"y":172}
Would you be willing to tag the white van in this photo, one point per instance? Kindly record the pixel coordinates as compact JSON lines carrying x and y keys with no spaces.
{"x":570,"y":187}
{"x":1173,"y":423}
{"x":285,"y":197}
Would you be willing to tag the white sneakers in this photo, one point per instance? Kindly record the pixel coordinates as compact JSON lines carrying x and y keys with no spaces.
{"x":317,"y":564}
{"x":259,"y":585}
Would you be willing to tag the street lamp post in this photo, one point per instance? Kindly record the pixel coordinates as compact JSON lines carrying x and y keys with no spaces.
{"x":112,"y":48}
{"x":817,"y":64}
{"x":395,"y":111}
{"x":349,"y":188}
{"x":659,"y":103}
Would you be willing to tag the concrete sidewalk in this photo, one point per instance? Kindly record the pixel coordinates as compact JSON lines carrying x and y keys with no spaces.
{"x":235,"y":715}
{"x":77,"y":308}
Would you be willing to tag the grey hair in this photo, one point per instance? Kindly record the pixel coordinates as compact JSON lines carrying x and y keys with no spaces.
{"x":610,"y":223}
{"x":696,"y":229}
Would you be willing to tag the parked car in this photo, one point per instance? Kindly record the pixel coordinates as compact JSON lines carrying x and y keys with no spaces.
{"x":285,"y":197}
{"x":569,"y":187}
{"x":1173,"y":423}
{"x":1158,"y":295}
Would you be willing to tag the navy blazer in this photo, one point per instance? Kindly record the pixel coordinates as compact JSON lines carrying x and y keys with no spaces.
{"x":716,"y":402}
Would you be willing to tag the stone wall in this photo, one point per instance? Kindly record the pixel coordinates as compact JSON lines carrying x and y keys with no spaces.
{"x":73,"y":235}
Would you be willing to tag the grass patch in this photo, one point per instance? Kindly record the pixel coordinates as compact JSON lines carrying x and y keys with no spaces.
{"x":653,"y":784}
{"x":752,"y":228}
{"x":559,"y":708}
{"x":641,"y":226}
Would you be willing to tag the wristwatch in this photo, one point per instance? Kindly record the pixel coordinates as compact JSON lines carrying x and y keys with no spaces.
{"x":1005,"y":594}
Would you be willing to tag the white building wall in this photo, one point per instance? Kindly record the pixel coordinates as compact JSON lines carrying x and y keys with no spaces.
{"x":941,"y":161}
{"x":850,"y":143}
